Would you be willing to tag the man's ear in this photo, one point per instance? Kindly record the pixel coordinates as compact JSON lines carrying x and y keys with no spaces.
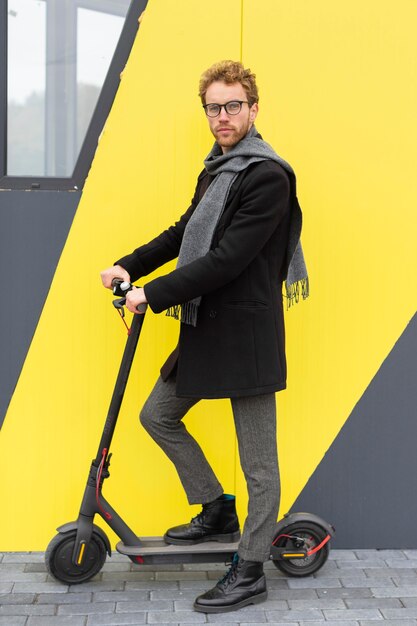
{"x":253,"y":112}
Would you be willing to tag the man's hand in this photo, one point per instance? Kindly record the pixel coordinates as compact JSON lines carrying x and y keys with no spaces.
{"x":116,"y":271}
{"x":135,"y":297}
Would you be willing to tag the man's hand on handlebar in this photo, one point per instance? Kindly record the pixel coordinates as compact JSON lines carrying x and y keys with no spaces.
{"x":135,"y":298}
{"x":116,"y":271}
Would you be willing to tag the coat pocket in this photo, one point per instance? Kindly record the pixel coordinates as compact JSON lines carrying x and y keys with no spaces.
{"x":245,"y":304}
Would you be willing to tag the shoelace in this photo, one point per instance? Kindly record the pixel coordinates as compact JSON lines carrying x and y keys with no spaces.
{"x":231,"y":574}
{"x":198,"y":519}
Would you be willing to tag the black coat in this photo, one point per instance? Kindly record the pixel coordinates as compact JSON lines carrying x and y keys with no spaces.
{"x":238,"y":345}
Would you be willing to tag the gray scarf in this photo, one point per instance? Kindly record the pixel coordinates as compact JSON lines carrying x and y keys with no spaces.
{"x":200,"y":228}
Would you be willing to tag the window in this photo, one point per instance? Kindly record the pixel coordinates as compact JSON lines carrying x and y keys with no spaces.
{"x":97,"y":37}
{"x":26,"y":87}
{"x":58,"y":56}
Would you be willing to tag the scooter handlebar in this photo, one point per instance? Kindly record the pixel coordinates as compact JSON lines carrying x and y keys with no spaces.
{"x":141,"y":308}
{"x":120,"y":288}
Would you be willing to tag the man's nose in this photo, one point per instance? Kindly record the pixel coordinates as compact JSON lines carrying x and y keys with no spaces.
{"x":223,"y":115}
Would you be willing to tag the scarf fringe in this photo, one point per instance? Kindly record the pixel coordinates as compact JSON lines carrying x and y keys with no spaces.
{"x":293,"y":291}
{"x":186,"y":313}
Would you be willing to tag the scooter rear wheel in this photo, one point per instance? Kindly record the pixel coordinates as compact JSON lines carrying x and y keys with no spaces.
{"x":58,"y":558}
{"x":304,"y":536}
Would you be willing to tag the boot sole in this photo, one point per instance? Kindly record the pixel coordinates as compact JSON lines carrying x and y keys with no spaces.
{"x":260,"y":597}
{"x":225,"y":538}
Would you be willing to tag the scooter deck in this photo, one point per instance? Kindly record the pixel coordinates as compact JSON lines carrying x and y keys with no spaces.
{"x":154,"y":550}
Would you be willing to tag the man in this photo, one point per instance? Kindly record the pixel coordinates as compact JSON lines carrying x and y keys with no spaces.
{"x":234,"y":246}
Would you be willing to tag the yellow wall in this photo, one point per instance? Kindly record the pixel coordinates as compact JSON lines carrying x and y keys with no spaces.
{"x":338,"y":100}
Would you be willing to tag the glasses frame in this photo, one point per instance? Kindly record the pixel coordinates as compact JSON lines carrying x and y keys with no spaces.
{"x":224,"y":106}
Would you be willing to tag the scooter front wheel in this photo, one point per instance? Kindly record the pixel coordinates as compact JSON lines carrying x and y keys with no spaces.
{"x":305,"y":536}
{"x":58,"y":558}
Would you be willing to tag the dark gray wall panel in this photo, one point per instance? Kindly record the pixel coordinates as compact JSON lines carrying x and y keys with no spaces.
{"x":33,"y":228}
{"x":366,"y":484}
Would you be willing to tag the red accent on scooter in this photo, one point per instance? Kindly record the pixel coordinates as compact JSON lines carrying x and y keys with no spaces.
{"x":129,"y":330}
{"x":106,"y":514}
{"x":310,"y":552}
{"x":274,"y":543}
{"x":319,"y":547}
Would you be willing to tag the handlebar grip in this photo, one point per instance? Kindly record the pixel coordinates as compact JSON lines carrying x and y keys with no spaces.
{"x":141,"y":308}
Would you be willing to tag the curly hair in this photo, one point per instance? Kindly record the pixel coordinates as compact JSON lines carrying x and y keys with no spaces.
{"x":229,"y":72}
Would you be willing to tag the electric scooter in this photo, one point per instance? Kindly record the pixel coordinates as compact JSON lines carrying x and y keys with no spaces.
{"x":300,"y":545}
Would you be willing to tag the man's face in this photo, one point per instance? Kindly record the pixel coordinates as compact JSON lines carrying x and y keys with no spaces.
{"x":229,"y":129}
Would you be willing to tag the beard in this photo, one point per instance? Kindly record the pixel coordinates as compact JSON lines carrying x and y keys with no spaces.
{"x":231,"y":138}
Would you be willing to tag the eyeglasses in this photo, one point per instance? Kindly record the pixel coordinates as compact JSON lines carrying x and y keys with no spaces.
{"x":232,"y":108}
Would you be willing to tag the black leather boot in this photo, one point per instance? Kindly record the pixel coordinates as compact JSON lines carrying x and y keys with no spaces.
{"x":243,"y":584}
{"x":217,"y":522}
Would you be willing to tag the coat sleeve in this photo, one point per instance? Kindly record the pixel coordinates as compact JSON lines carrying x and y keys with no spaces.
{"x":162,"y":249}
{"x":264,"y":202}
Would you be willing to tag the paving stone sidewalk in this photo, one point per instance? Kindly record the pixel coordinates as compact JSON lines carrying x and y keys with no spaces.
{"x":354,"y":588}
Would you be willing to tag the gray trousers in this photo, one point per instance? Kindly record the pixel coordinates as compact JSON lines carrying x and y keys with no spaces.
{"x":255,"y":422}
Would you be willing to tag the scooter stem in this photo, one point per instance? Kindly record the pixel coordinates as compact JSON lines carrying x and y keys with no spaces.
{"x":120,"y":386}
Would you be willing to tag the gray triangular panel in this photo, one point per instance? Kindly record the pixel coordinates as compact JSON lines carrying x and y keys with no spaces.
{"x":366,"y":485}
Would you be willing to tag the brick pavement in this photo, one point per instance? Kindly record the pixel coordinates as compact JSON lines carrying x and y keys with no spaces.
{"x":354,"y":588}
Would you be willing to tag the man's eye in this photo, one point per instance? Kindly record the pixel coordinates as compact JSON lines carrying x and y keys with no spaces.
{"x":212,"y":108}
{"x":233,"y":106}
